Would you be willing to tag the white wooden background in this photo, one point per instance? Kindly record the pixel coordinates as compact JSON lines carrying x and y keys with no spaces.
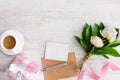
{"x":54,"y":20}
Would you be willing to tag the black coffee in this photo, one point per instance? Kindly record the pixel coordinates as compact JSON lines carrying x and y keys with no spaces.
{"x":9,"y":42}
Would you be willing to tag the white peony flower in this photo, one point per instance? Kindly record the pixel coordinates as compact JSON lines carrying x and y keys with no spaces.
{"x":109,"y":33}
{"x":96,"y":41}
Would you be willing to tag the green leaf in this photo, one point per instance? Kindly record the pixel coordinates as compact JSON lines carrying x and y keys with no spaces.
{"x":105,"y":56}
{"x":101,"y":26}
{"x":96,"y":30}
{"x":87,"y":32}
{"x":114,"y":44}
{"x":82,"y":43}
{"x":99,"y":52}
{"x":110,"y":51}
{"x":90,"y":47}
{"x":107,"y":51}
{"x":117,"y":29}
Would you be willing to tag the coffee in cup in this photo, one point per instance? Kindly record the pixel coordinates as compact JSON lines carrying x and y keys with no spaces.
{"x":9,"y":42}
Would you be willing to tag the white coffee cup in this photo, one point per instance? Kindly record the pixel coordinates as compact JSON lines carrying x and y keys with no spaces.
{"x":8,"y":42}
{"x":11,"y":42}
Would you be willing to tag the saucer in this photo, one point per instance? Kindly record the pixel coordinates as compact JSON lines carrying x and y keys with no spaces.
{"x":19,"y":42}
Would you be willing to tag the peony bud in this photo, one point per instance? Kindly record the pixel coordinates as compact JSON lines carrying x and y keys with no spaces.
{"x":96,"y":41}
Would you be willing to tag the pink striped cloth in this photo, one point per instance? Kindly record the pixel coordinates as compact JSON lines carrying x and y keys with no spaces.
{"x":23,"y":68}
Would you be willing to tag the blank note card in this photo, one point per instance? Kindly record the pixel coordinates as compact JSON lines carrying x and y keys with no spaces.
{"x":56,"y":51}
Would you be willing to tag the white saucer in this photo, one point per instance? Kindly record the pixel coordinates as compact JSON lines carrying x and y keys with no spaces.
{"x":19,"y":42}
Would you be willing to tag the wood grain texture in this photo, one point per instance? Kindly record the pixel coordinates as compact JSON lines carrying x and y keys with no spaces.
{"x":57,"y":21}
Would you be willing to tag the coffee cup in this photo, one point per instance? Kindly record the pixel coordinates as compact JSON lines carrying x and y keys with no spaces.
{"x":8,"y":42}
{"x":11,"y":42}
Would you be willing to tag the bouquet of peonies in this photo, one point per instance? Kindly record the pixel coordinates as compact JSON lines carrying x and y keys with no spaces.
{"x":100,"y":40}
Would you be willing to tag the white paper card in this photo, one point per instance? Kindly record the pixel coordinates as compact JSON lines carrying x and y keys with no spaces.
{"x":56,"y":51}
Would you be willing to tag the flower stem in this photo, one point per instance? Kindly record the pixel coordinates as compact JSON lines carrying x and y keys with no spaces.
{"x":90,"y":53}
{"x":84,"y":61}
